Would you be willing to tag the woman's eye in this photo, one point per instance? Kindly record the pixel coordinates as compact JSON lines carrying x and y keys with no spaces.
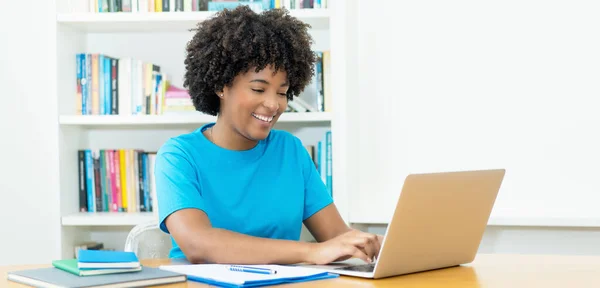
{"x":258,"y":90}
{"x":283,"y":94}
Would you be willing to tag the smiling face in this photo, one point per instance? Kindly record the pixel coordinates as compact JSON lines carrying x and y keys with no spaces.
{"x":254,"y":102}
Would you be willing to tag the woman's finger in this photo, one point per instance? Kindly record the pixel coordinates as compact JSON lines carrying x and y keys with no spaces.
{"x":358,"y":253}
{"x":377,"y":244}
{"x":370,"y":247}
{"x":366,"y":244}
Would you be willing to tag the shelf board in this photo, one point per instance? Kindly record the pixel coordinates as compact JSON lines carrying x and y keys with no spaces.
{"x":165,"y":21}
{"x":107,"y":219}
{"x":175,"y":120}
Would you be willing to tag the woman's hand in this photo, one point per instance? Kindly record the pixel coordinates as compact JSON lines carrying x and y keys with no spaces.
{"x":353,"y":243}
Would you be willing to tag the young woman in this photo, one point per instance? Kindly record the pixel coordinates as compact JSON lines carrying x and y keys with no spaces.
{"x":238,"y":191}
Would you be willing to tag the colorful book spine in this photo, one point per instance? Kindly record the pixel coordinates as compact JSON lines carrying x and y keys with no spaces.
{"x":83,"y":198}
{"x":89,"y":169}
{"x":324,"y":161}
{"x":107,"y":91}
{"x":79,"y":97}
{"x":106,"y":85}
{"x":329,"y":163}
{"x":84,"y":83}
{"x":115,"y":180}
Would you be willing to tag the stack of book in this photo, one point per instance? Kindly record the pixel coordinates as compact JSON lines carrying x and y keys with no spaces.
{"x":97,"y":262}
{"x":96,"y":268}
{"x":177,"y":101}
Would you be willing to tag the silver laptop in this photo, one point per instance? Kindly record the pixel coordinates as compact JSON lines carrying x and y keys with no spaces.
{"x":438,"y":222}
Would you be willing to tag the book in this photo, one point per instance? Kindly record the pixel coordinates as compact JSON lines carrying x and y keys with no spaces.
{"x":223,"y":276}
{"x":102,"y":259}
{"x":70,"y":265}
{"x":54,"y":277}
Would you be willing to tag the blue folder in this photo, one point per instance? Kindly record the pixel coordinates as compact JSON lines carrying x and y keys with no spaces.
{"x":261,"y":283}
{"x":223,"y":275}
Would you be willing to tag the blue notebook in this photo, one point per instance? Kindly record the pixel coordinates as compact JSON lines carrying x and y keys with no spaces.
{"x":101,"y":259}
{"x":221,"y":275}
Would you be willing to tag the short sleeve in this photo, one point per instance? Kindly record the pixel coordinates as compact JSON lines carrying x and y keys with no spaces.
{"x":176,"y":182}
{"x":316,"y":195}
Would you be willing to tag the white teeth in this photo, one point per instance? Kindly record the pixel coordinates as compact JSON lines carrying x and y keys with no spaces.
{"x":263,"y":118}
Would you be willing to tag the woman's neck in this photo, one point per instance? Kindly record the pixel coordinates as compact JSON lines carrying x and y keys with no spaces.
{"x":224,"y":135}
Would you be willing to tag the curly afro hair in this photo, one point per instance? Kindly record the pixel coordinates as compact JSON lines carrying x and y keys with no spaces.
{"x":237,"y":40}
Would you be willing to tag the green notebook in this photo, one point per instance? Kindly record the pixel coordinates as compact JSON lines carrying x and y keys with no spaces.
{"x":70,"y":265}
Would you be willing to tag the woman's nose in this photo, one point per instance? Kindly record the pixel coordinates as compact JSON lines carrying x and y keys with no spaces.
{"x":271,"y":104}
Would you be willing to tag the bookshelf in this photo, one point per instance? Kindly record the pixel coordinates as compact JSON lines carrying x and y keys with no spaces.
{"x":160,"y":37}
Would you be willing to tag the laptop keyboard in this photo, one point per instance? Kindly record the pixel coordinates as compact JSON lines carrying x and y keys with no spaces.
{"x":359,"y":268}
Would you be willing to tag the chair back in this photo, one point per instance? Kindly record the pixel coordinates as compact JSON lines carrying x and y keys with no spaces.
{"x":147,"y":241}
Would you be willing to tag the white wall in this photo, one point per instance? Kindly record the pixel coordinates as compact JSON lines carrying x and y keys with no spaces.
{"x":446,"y":85}
{"x":28,"y":175}
{"x":461,"y":85}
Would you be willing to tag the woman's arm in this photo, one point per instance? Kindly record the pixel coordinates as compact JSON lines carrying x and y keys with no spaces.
{"x":326,"y":224}
{"x":200,"y":242}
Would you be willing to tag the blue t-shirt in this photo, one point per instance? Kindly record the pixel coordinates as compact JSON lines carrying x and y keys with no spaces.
{"x":266,"y":191}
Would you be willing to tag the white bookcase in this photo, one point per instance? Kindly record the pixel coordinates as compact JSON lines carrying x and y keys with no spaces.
{"x":160,"y":37}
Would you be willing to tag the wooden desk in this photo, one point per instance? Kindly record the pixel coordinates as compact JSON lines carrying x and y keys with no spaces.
{"x":486,"y":271}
